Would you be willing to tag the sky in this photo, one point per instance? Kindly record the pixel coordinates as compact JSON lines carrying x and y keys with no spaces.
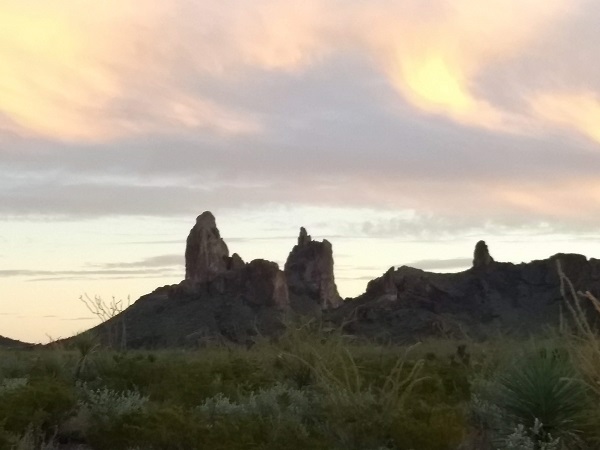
{"x":403,"y":131}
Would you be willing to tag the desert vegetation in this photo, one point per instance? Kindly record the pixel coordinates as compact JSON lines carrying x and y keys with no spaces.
{"x":309,"y":389}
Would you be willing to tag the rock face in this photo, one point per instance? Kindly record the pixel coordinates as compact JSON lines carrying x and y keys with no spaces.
{"x":408,"y":304}
{"x":265,"y":285}
{"x":309,"y":273}
{"x":206,"y":254}
{"x":481,"y":256}
{"x":209,"y":268}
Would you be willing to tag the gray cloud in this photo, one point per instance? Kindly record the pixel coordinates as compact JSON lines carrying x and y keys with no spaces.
{"x":439,"y":264}
{"x":44,"y":275}
{"x":162,"y":261}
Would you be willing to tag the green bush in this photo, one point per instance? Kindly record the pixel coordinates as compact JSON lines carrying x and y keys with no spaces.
{"x":42,"y":404}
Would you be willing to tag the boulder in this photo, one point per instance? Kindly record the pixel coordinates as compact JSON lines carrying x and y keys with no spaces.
{"x":309,"y":272}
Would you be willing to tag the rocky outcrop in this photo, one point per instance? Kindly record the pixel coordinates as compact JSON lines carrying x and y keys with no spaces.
{"x":481,"y":256}
{"x":408,"y":304}
{"x":265,"y":285}
{"x":223,"y":298}
{"x":206,"y":254}
{"x":309,"y":273}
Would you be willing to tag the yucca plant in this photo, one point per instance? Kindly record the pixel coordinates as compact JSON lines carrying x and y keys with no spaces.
{"x":542,"y":387}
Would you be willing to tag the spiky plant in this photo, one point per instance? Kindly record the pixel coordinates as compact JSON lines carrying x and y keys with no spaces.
{"x":543,"y":387}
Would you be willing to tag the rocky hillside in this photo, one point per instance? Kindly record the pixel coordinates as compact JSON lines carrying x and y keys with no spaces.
{"x":11,"y":343}
{"x":491,"y":298}
{"x":223,"y":298}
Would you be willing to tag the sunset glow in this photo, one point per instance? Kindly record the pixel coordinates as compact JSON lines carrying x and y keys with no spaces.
{"x":400,"y":126}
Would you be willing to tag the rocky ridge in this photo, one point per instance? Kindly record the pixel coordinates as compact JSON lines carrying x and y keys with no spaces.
{"x":491,"y":298}
{"x":224,"y":298}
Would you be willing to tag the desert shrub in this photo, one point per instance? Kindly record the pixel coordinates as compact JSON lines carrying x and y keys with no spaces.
{"x":272,"y":403}
{"x":105,"y":404}
{"x":42,"y":404}
{"x":533,"y":438}
{"x":186,"y":378}
{"x":10,"y":384}
{"x":271,"y":417}
{"x":51,"y":364}
{"x":13,"y":364}
{"x":428,"y":427}
{"x":156,"y":428}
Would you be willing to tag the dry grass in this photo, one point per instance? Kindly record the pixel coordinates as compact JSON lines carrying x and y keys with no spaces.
{"x":584,"y":341}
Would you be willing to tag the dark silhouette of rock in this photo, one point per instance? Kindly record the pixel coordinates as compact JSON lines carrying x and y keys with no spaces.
{"x":224,"y":299}
{"x":384,"y":287}
{"x":12,"y":343}
{"x":206,"y":254}
{"x":221,"y":298}
{"x":309,"y":273}
{"x":236,"y":262}
{"x":516,"y":299}
{"x":481,"y":256}
{"x":265,"y":285}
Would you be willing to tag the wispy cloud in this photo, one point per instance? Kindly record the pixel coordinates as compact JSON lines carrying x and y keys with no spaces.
{"x":161,"y":261}
{"x":440,"y":264}
{"x":44,"y":275}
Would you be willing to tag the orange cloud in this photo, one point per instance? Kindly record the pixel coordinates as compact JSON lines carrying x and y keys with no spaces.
{"x":575,"y":199}
{"x":434,"y":59}
{"x":83,"y":70}
{"x":579,"y":111}
{"x":68,"y":69}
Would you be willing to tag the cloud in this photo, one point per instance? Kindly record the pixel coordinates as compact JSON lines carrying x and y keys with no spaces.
{"x":441,"y":264}
{"x":162,"y":68}
{"x":85,"y":71}
{"x":161,"y":261}
{"x":44,"y":275}
{"x":577,"y":111}
{"x":455,"y":115}
{"x":435,"y":58}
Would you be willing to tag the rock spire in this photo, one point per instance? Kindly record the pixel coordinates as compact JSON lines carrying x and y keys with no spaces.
{"x":481,"y":256}
{"x":309,"y":271}
{"x":206,"y":254}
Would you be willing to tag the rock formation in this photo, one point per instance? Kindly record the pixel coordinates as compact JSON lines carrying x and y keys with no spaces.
{"x":309,"y":273}
{"x":209,"y":268}
{"x":265,"y":285}
{"x":481,"y":256}
{"x":517,"y":299}
{"x":206,"y":254}
{"x":223,"y":298}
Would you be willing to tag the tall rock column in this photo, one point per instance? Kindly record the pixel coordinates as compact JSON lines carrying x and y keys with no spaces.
{"x":309,"y":271}
{"x":481,"y":255}
{"x":206,"y":254}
